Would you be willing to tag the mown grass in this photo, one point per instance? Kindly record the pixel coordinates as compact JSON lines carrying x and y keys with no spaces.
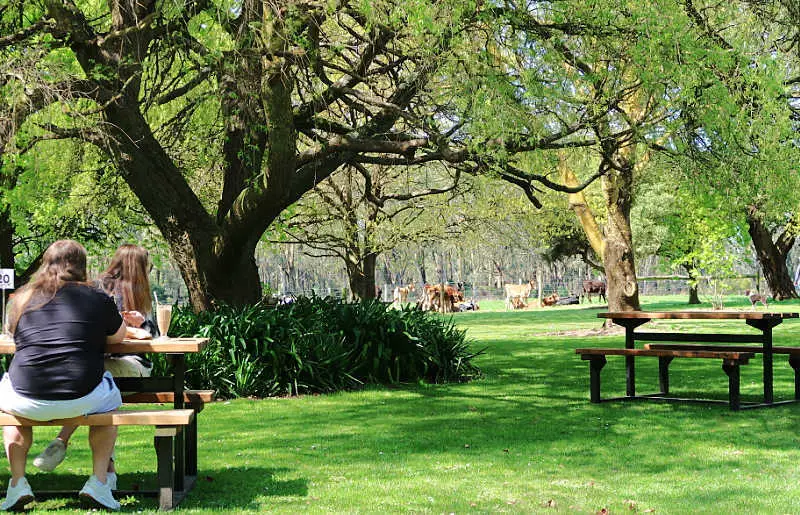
{"x":524,"y":439}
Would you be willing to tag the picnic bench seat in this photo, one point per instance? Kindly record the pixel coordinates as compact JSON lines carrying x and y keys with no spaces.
{"x":792,"y":352}
{"x":731,"y":360}
{"x":193,"y":399}
{"x":169,"y":423}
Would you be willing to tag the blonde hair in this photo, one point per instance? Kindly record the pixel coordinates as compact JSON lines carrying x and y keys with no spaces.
{"x":127,"y":277}
{"x":64,"y":262}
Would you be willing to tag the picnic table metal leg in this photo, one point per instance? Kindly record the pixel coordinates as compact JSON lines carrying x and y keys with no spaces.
{"x":765,"y":326}
{"x":181,"y":442}
{"x":731,"y":368}
{"x":630,"y":343}
{"x":596,"y":364}
{"x":630,"y":364}
{"x":663,"y":373}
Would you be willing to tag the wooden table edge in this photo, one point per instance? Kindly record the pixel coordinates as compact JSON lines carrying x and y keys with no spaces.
{"x":171,"y":345}
{"x":697,"y":315}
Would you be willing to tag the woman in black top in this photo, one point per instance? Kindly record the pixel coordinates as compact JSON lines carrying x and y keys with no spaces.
{"x":126,"y":281}
{"x":61,"y":325}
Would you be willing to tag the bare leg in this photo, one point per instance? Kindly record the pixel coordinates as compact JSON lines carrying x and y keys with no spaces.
{"x":66,"y":433}
{"x":18,"y":442}
{"x":101,"y":440}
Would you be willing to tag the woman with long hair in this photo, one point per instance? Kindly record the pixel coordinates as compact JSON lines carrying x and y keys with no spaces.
{"x":126,"y":281}
{"x":61,"y":325}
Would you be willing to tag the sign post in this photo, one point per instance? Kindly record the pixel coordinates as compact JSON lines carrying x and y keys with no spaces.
{"x":6,"y":283}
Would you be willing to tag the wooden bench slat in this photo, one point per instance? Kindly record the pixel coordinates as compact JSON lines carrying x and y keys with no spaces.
{"x":189,"y":396}
{"x":726,"y":348}
{"x":667,"y":353}
{"x":171,"y":417}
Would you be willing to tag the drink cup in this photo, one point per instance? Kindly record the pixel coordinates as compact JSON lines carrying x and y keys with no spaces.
{"x":163,"y":317}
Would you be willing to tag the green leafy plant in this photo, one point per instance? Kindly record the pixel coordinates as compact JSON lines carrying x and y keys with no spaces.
{"x":320,"y":345}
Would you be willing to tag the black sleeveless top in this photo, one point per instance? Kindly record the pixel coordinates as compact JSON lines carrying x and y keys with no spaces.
{"x":60,"y":346}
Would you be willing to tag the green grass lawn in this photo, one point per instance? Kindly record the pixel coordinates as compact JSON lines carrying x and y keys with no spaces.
{"x":523,"y":439}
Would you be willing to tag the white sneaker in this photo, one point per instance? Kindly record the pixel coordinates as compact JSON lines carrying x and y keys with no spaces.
{"x":99,"y":493}
{"x":17,"y":496}
{"x":111,"y":480}
{"x":51,"y":456}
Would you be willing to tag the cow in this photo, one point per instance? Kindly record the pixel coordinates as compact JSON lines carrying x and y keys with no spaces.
{"x":400,"y":294}
{"x":432,"y":298}
{"x":518,"y":291}
{"x":598,"y":287}
{"x":550,"y":300}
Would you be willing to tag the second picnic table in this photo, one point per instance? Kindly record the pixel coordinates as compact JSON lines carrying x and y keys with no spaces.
{"x":732,"y":354}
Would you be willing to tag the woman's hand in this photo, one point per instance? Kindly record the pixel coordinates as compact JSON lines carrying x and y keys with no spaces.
{"x":133,"y":318}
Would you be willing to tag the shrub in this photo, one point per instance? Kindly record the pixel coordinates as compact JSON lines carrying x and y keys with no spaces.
{"x":319,"y":345}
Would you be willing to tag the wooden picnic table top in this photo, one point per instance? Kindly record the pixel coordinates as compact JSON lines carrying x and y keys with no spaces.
{"x":129,"y":346}
{"x":697,"y":315}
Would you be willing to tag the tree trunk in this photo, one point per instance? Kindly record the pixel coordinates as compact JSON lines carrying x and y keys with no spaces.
{"x":694,"y":298}
{"x":423,"y":275}
{"x":772,"y":255}
{"x":622,"y":289}
{"x":361,"y":276}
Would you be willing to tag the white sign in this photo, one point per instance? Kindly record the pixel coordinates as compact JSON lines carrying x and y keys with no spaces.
{"x":6,"y":278}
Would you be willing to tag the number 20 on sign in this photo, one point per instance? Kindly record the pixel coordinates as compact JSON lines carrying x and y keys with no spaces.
{"x":6,"y":278}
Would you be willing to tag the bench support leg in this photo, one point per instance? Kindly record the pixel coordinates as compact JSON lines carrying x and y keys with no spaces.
{"x":630,"y":376}
{"x":164,"y":442}
{"x":731,"y":368}
{"x":596,"y":364}
{"x":191,"y":446}
{"x":794,"y":361}
{"x":663,"y":373}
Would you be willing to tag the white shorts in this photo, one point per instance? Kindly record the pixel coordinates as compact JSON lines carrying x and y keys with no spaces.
{"x":105,"y":397}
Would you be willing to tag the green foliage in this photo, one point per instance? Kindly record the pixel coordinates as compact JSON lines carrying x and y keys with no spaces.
{"x":320,"y":345}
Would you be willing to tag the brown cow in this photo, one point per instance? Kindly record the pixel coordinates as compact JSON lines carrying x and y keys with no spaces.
{"x":432,"y":298}
{"x":598,"y":287}
{"x":550,"y":300}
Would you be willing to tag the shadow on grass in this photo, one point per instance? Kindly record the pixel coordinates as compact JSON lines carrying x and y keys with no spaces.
{"x":212,"y":490}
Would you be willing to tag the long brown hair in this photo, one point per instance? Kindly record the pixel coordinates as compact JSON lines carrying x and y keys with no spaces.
{"x":64,"y":262}
{"x":127,"y":277}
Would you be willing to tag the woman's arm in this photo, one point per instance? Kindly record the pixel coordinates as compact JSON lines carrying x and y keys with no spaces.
{"x":118,"y":336}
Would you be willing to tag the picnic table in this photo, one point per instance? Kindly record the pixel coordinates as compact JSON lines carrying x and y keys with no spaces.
{"x":176,"y":428}
{"x":734,"y":349}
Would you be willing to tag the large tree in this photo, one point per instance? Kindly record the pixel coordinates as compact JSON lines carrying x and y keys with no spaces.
{"x":219,"y":116}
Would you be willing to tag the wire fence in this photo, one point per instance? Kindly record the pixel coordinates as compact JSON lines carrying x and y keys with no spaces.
{"x":667,"y":285}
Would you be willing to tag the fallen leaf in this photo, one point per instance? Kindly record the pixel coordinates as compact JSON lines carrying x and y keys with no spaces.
{"x":603,"y":511}
{"x":550,"y":504}
{"x":650,"y":510}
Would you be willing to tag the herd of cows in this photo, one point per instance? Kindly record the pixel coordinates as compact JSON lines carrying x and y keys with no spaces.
{"x":447,"y":299}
